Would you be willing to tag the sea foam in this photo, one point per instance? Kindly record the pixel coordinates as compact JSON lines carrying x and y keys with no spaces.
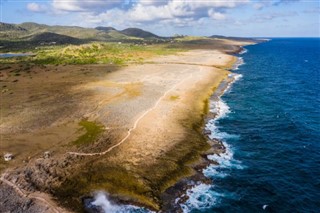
{"x":243,"y":51}
{"x":199,"y":198}
{"x":102,"y":201}
{"x":204,"y":196}
{"x":238,"y":63}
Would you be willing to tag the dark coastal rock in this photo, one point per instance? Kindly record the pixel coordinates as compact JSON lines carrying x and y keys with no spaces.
{"x":206,"y":132}
{"x":210,"y":116}
{"x":10,"y":201}
{"x":176,"y":195}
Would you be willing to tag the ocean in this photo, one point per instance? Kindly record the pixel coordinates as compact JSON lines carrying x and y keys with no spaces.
{"x":269,"y":120}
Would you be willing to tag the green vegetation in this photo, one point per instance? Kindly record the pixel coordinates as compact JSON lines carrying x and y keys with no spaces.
{"x":29,"y":30}
{"x":206,"y":106}
{"x":100,"y":176}
{"x":174,"y":97}
{"x":93,"y":130}
{"x":136,"y":32}
{"x":93,"y":53}
{"x":190,"y":38}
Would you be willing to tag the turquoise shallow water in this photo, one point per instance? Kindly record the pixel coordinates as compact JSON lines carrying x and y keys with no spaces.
{"x":270,"y":125}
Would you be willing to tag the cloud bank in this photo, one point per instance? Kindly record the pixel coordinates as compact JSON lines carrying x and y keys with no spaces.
{"x":178,"y":13}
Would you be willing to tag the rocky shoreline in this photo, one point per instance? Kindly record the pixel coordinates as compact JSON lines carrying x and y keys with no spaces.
{"x":176,"y":195}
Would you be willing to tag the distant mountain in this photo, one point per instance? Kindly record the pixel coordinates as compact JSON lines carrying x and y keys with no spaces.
{"x":72,"y":31}
{"x":136,"y":32}
{"x":106,"y":29}
{"x":11,"y":31}
{"x":10,"y":27}
{"x":54,"y":38}
{"x":131,"y":32}
{"x":31,"y":26}
{"x":32,"y":34}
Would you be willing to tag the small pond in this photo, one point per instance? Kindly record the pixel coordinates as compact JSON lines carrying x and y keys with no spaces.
{"x":10,"y":55}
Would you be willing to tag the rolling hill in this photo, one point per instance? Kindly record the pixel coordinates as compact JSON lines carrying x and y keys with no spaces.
{"x":54,"y":38}
{"x":30,"y":31}
{"x":106,"y":29}
{"x":10,"y":27}
{"x":136,"y":32}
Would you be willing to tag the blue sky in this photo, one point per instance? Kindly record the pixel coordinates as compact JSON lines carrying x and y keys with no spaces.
{"x":268,"y":18}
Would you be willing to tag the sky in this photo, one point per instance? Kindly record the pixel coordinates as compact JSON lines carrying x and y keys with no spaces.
{"x":247,"y":18}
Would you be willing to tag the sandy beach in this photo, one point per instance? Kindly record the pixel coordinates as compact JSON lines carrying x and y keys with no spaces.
{"x":152,"y":117}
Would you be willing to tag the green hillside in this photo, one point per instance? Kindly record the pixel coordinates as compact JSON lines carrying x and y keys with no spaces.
{"x":29,"y":35}
{"x":26,"y":31}
{"x":136,"y":32}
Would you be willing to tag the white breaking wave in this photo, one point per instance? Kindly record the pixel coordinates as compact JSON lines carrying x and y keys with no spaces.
{"x":238,"y":63}
{"x":204,"y":196}
{"x":211,"y":171}
{"x":101,"y":200}
{"x":220,"y":108}
{"x":225,"y":160}
{"x":199,"y":198}
{"x":243,"y":51}
{"x":235,"y":77}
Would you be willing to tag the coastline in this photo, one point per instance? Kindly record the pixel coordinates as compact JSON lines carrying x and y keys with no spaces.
{"x":193,"y":161}
{"x":194,"y":100}
{"x":177,"y":195}
{"x":220,"y":152}
{"x":174,"y":197}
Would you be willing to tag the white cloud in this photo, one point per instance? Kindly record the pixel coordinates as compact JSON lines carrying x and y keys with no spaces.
{"x":80,"y":6}
{"x":216,"y":15}
{"x":35,"y":7}
{"x":215,"y":3}
{"x":134,"y":12}
{"x":142,"y":13}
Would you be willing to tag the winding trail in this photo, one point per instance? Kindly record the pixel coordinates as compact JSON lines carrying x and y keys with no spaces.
{"x":50,"y":204}
{"x":134,"y":125}
{"x":37,"y":196}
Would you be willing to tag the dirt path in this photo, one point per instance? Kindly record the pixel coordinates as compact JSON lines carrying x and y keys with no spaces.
{"x":134,"y":125}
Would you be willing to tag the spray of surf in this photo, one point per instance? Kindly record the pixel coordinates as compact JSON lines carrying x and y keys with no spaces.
{"x":205,"y":196}
{"x":102,"y":203}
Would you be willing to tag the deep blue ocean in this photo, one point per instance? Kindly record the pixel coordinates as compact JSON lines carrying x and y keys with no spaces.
{"x":271,"y":127}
